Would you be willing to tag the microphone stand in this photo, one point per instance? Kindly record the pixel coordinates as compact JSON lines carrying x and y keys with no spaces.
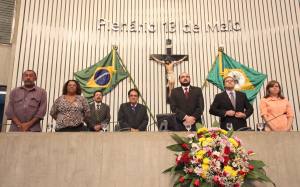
{"x":266,"y":122}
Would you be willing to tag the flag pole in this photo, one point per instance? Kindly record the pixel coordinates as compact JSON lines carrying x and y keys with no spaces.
{"x":135,"y":86}
{"x":220,"y":53}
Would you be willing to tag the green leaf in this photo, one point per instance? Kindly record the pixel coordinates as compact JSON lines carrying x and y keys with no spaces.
{"x":251,"y":176}
{"x":176,"y":148}
{"x":248,"y":184}
{"x":230,"y":133}
{"x":205,"y":184}
{"x":199,"y":125}
{"x":256,"y":174}
{"x":192,"y":183}
{"x":215,"y":124}
{"x":169,"y":169}
{"x":257,"y":163}
{"x":178,"y":139}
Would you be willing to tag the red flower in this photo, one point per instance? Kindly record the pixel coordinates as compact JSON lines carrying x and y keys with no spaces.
{"x":185,"y":146}
{"x":227,"y":150}
{"x":185,"y":158}
{"x":214,"y":135}
{"x":197,"y":182}
{"x":236,"y":185}
{"x":242,"y":172}
{"x":251,"y":167}
{"x":216,"y":179}
{"x":250,"y":152}
{"x":209,"y":153}
{"x":226,"y":160}
{"x":181,"y":179}
{"x":177,"y":160}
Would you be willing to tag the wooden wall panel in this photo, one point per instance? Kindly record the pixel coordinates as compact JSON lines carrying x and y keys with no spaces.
{"x":58,"y":38}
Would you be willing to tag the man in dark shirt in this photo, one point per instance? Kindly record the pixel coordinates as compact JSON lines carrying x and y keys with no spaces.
{"x":132,"y":115}
{"x":231,"y":106}
{"x":187,"y":103}
{"x":27,"y":105}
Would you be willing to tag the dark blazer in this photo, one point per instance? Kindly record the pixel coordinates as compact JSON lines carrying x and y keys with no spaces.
{"x":193,"y":106}
{"x":128,"y":118}
{"x":102,"y":116}
{"x":222,"y":103}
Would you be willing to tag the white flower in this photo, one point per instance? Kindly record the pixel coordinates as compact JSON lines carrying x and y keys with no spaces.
{"x":216,"y":153}
{"x":198,"y":170}
{"x":192,"y":135}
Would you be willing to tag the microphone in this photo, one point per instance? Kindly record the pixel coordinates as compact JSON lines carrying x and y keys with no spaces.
{"x":261,"y":126}
{"x":275,"y":117}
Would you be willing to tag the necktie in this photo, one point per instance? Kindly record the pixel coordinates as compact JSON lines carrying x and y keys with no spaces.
{"x":232,"y":99}
{"x":98,"y":112}
{"x":186,"y":93}
{"x":133,"y":107}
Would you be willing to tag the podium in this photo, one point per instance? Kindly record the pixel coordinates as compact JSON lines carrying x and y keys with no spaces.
{"x":124,"y":158}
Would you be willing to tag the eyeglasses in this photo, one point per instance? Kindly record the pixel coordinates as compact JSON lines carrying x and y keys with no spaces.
{"x":133,"y":95}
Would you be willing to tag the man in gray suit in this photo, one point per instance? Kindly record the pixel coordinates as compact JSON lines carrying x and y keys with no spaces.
{"x":99,"y":113}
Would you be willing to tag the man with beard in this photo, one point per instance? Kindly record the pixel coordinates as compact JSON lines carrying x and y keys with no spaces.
{"x":27,"y":105}
{"x":187,"y":103}
{"x":99,"y":113}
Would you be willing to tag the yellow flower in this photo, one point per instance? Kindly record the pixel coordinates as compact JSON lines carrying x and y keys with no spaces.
{"x":205,"y":167}
{"x":223,"y":131}
{"x":230,"y":171}
{"x":200,"y":154}
{"x":206,"y":160}
{"x":202,"y":130}
{"x":201,"y":139}
{"x":233,"y":142}
{"x":207,"y":141}
{"x":203,"y":174}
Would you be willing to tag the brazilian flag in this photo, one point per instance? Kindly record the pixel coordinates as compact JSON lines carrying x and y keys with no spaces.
{"x":103,"y":76}
{"x":247,"y":79}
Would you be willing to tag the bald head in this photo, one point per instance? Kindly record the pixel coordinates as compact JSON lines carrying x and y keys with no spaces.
{"x":184,"y":79}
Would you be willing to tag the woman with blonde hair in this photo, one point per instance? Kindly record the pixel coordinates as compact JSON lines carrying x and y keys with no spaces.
{"x":275,"y":109}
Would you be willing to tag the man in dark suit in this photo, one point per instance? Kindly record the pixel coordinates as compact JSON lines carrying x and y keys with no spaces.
{"x":132,"y":115}
{"x":187,"y":102}
{"x":231,"y":106}
{"x":99,"y":113}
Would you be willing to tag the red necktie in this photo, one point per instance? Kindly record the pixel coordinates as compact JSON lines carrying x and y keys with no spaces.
{"x":186,"y":93}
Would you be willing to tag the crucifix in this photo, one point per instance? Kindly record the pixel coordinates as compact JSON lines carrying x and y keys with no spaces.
{"x":169,"y":60}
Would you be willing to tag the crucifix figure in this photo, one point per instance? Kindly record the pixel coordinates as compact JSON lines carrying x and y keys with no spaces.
{"x":169,"y":60}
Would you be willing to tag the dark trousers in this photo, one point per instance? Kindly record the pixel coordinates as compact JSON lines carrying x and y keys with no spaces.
{"x":78,"y":128}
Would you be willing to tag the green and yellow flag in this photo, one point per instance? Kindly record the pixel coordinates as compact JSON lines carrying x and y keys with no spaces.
{"x":104,"y":75}
{"x":247,"y":79}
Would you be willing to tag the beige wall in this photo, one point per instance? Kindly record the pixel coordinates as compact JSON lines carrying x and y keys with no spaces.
{"x":57,"y":38}
{"x":7,"y":56}
{"x":5,"y":63}
{"x":123,"y":159}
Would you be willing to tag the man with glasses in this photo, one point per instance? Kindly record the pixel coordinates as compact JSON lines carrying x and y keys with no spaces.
{"x":133,"y":116}
{"x":231,"y":106}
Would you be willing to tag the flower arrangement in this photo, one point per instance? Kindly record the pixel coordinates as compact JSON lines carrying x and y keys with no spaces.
{"x":213,"y":157}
